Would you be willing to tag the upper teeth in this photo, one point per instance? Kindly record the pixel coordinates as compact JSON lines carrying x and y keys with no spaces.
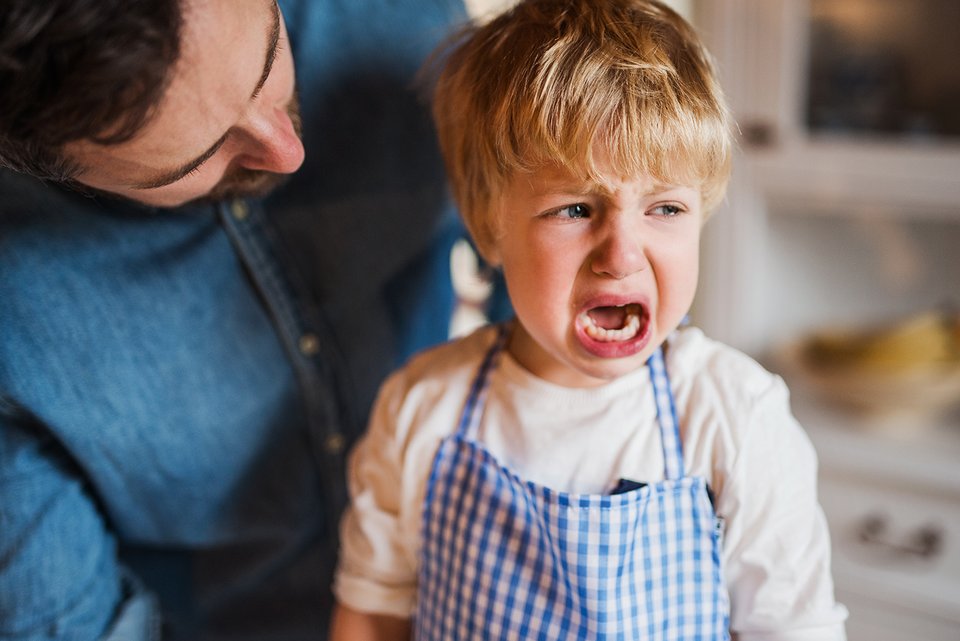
{"x":625,"y":333}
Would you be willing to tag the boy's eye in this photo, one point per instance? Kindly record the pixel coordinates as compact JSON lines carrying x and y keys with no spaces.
{"x":667,"y":211}
{"x":570,"y":211}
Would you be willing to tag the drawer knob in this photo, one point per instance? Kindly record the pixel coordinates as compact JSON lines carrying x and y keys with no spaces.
{"x":925,"y":542}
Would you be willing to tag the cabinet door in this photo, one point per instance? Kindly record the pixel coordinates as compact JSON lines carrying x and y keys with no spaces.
{"x":886,"y":190}
{"x":896,"y":558}
{"x":872,"y":621}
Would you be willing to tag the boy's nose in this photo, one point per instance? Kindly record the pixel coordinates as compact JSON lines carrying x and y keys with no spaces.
{"x":619,"y":254}
{"x":271,"y":142}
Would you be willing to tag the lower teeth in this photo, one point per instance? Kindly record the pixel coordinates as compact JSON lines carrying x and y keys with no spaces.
{"x":597,"y":333}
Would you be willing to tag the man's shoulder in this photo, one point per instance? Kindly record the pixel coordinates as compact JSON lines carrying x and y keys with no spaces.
{"x":71,"y":265}
{"x":30,"y":207}
{"x":22,"y":195}
{"x":43,"y":229}
{"x":34,"y":217}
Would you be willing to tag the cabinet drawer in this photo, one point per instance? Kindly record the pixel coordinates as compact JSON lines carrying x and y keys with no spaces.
{"x":896,"y":556}
{"x":873,"y":621}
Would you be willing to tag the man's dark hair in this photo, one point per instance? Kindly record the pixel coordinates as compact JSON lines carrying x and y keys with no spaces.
{"x":80,"y":70}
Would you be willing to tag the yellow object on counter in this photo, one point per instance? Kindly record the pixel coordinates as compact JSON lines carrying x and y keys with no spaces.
{"x":923,"y":340}
{"x":904,"y":375}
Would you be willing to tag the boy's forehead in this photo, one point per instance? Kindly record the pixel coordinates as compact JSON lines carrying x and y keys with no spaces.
{"x":560,"y":178}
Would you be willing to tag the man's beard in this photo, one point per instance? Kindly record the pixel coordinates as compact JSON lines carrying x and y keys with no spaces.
{"x":240,"y":182}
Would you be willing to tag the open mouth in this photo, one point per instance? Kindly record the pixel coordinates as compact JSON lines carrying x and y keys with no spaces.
{"x":613,"y":324}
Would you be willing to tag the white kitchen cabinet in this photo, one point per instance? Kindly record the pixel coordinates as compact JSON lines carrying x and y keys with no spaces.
{"x":893,"y":504}
{"x":843,"y":228}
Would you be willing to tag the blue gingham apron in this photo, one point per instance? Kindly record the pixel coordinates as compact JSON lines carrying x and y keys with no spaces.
{"x":505,"y":558}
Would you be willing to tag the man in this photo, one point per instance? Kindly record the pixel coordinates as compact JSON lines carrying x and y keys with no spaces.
{"x":185,"y":351}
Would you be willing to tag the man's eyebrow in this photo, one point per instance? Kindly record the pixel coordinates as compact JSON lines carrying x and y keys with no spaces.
{"x":273,"y":45}
{"x":182,"y":171}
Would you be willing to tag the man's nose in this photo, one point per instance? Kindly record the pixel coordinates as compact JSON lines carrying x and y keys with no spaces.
{"x":620,"y":251}
{"x":271,"y":142}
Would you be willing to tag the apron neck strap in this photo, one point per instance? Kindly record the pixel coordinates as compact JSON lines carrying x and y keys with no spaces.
{"x":666,"y":416}
{"x":470,"y":417}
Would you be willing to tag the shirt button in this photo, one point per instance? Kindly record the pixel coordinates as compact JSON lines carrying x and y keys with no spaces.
{"x":239,"y":209}
{"x":309,"y":344}
{"x":335,"y":443}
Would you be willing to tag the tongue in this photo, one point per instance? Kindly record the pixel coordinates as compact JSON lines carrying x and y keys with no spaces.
{"x":609,"y":317}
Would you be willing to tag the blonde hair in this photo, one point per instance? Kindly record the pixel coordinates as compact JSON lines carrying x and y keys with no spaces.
{"x":562,"y":81}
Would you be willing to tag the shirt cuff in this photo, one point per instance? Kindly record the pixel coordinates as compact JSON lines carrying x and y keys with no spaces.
{"x":832,"y":630}
{"x":367,"y":596}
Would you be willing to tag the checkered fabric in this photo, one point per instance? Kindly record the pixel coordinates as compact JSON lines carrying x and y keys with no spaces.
{"x":504,"y":558}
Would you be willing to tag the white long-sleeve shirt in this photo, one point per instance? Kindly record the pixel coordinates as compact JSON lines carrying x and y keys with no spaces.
{"x":737,"y":431}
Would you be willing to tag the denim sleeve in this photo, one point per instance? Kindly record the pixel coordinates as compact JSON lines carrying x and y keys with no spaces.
{"x":59,"y":576}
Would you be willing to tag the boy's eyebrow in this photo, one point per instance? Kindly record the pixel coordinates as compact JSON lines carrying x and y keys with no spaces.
{"x":169,"y":177}
{"x":588,"y":187}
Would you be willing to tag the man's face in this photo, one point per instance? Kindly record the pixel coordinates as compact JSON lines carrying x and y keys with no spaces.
{"x":228,"y":124}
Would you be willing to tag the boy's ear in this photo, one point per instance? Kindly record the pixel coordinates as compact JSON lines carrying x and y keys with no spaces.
{"x":491,"y":254}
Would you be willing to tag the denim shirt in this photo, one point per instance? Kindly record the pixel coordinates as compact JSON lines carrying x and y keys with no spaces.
{"x":178,"y":388}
